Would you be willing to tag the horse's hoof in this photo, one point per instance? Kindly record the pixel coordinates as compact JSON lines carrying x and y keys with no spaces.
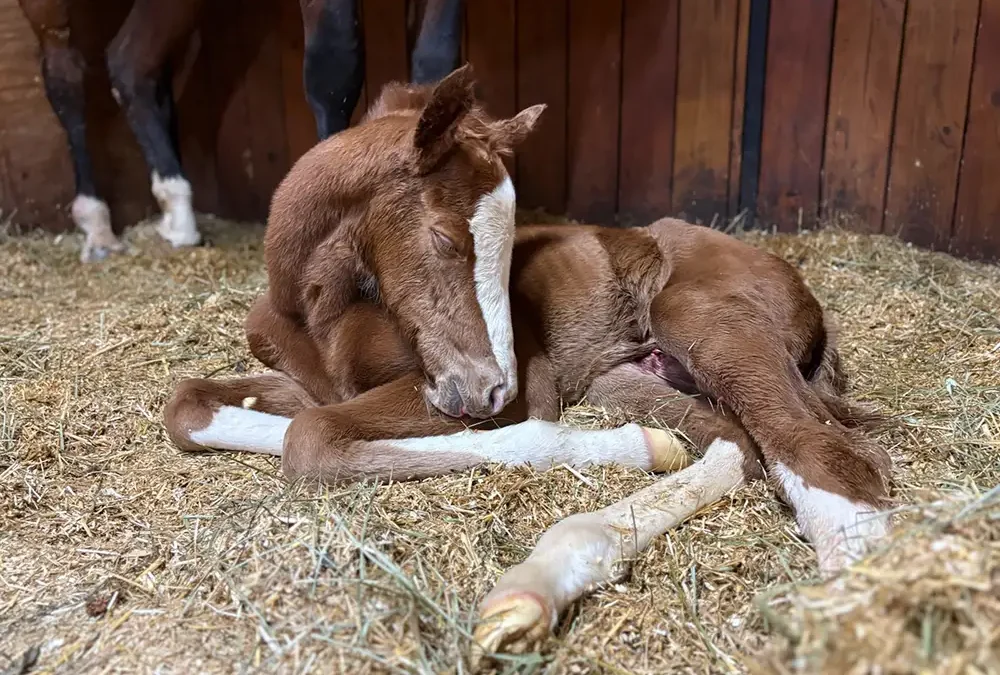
{"x":517,"y":624}
{"x":666,"y":452}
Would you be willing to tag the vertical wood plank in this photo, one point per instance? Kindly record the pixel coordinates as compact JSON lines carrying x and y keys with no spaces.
{"x":649,"y":86}
{"x":490,"y":27}
{"x":541,"y":78}
{"x":798,"y":68}
{"x":977,"y":213}
{"x":863,"y":82}
{"x":739,"y":98}
{"x":300,"y":124}
{"x":592,"y":121}
{"x":36,"y":176}
{"x":930,"y":119}
{"x":492,"y":45}
{"x":268,"y":150}
{"x":386,"y":53}
{"x":704,"y":108}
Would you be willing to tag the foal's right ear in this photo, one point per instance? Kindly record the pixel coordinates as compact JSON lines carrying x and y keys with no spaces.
{"x":451,"y":99}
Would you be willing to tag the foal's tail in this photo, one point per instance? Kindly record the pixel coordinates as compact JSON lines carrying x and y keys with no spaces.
{"x":830,"y":384}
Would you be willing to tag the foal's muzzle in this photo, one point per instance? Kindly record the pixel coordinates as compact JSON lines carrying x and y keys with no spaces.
{"x":476,"y":389}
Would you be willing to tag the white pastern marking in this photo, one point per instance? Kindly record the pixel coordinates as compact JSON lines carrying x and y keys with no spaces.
{"x":178,"y":225}
{"x":841,"y":530}
{"x":235,"y":428}
{"x":492,"y":229}
{"x":93,"y":217}
{"x":542,"y":444}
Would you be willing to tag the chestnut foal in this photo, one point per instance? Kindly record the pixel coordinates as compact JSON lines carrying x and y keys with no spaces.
{"x":404,"y":313}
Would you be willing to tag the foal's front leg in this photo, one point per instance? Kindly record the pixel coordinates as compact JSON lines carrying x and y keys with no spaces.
{"x":390,"y":432}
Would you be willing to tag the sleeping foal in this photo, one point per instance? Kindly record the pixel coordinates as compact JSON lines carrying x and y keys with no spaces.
{"x":412,"y":332}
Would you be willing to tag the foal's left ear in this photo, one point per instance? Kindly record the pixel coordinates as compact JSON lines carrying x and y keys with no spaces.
{"x":451,"y":99}
{"x":506,"y":134}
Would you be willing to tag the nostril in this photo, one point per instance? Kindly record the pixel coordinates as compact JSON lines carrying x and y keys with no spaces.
{"x":497,"y":399}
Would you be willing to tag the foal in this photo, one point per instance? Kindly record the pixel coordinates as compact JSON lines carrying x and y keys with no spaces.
{"x":412,"y":333}
{"x":138,"y":61}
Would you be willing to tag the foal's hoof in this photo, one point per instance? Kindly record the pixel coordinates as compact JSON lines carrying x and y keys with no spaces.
{"x":517,"y":624}
{"x":666,"y":452}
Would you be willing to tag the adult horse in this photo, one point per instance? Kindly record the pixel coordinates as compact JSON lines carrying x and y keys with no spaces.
{"x":403,"y":307}
{"x":138,"y":64}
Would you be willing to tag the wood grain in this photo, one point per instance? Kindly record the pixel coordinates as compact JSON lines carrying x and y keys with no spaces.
{"x":707,"y":55}
{"x":798,"y":67}
{"x":387,"y":55}
{"x":491,"y":28}
{"x":866,"y":51}
{"x":930,"y":119}
{"x":739,"y":100}
{"x":541,"y":78}
{"x":593,"y":109}
{"x":977,"y":213}
{"x":649,"y":87}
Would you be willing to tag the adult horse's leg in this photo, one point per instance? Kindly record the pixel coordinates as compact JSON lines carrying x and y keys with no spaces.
{"x":389,"y":432}
{"x":587,"y":549}
{"x":138,"y":65}
{"x":334,"y":64}
{"x":63,"y":68}
{"x":439,"y":39}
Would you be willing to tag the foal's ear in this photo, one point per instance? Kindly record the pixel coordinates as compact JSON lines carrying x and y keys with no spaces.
{"x":451,"y":99}
{"x":506,"y":134}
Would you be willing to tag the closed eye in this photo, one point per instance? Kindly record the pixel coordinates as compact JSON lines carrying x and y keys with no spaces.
{"x":444,"y":244}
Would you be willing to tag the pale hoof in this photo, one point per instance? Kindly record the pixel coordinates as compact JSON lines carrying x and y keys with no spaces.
{"x":517,"y":623}
{"x":100,"y":248}
{"x":177,"y":237}
{"x":666,"y":452}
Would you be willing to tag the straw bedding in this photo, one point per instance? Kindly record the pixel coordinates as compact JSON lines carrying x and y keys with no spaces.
{"x":120,"y":554}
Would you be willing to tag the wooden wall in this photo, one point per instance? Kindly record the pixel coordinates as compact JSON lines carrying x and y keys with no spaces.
{"x":884,"y":114}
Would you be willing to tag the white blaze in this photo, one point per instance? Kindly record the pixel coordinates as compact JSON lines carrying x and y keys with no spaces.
{"x":492,"y":229}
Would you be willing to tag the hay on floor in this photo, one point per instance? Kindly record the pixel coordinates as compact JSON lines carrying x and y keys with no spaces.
{"x":119,"y":553}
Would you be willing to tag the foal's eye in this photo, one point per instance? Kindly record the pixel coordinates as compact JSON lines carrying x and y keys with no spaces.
{"x":444,"y":244}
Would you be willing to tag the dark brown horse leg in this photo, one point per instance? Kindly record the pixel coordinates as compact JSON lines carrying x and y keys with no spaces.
{"x":63,"y":68}
{"x":138,"y":63}
{"x":334,"y":65}
{"x":439,"y":40}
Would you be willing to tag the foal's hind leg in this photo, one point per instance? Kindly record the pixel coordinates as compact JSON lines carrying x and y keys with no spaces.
{"x":833,"y":478}
{"x":63,"y":68}
{"x":587,"y":549}
{"x":138,"y":65}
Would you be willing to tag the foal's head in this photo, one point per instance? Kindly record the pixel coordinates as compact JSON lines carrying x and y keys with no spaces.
{"x":440,"y":236}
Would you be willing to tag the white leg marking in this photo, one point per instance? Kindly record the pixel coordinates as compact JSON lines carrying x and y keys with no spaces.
{"x":841,"y":530}
{"x":587,"y":549}
{"x":234,"y":428}
{"x":178,"y":225}
{"x":492,"y":229}
{"x":545,"y":444}
{"x":93,"y":217}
